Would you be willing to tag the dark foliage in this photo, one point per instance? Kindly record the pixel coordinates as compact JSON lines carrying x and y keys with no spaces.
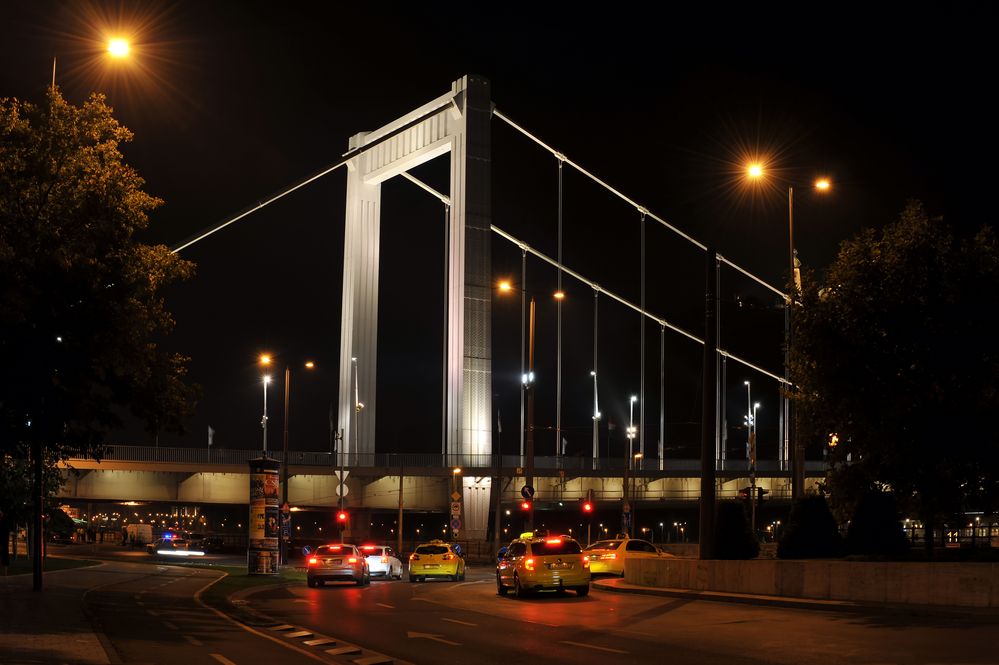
{"x":875,"y":529}
{"x":733,"y":536}
{"x":811,"y":532}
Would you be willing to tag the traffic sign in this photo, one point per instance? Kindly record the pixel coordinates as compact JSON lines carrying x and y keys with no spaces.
{"x":455,"y":496}
{"x":456,"y":509}
{"x":527,"y":492}
{"x":455,"y":523}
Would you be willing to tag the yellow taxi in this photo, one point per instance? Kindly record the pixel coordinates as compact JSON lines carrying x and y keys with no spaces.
{"x":536,"y":562}
{"x":611,"y":556}
{"x":436,"y":559}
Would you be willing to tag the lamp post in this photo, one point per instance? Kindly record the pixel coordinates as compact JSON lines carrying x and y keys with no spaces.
{"x":752,"y":470}
{"x":626,"y":518}
{"x":263,"y":421}
{"x":596,"y":417}
{"x":794,"y":446}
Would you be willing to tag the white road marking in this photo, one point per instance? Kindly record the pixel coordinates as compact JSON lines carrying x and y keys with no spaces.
{"x":463,"y":623}
{"x":542,"y":623}
{"x":198,"y":643}
{"x":592,"y":646}
{"x":153,"y":613}
{"x":391,"y":607}
{"x":222,"y":659}
{"x":171,"y":626}
{"x":435,"y":638}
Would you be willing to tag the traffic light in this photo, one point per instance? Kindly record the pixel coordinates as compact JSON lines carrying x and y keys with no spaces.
{"x":525,"y":506}
{"x":745,"y":493}
{"x":759,"y":494}
{"x":587,"y":508}
{"x":341,"y":518}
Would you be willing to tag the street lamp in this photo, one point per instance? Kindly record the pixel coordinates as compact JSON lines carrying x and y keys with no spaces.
{"x":756,"y":171}
{"x":263,"y":421}
{"x":118,"y":48}
{"x":596,"y":416}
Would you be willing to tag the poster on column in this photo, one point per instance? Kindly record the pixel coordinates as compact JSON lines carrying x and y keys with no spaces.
{"x":262,"y":553}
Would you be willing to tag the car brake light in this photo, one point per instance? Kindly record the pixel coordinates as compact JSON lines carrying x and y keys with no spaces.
{"x":384,"y":559}
{"x":368,"y":548}
{"x":447,"y":556}
{"x":313,"y":561}
{"x":529,"y":564}
{"x":586,"y":562}
{"x":352,"y":559}
{"x":554,"y":541}
{"x":414,"y":557}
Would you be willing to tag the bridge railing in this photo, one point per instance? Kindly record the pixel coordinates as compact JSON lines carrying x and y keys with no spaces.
{"x":508,"y":464}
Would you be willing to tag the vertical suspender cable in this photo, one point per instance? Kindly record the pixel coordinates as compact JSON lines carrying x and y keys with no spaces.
{"x":444,"y":382}
{"x":523,"y":323}
{"x":558,"y":328}
{"x":641,"y":379}
{"x":662,"y":397}
{"x":596,"y":394}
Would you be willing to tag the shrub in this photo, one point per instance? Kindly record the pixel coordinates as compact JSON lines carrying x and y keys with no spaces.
{"x":875,"y":529}
{"x":811,"y":532}
{"x":733,"y":535}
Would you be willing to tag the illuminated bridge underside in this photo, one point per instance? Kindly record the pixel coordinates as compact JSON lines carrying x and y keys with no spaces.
{"x":424,"y":489}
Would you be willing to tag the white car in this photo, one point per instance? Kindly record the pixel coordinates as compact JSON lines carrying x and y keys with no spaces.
{"x":382,"y":561}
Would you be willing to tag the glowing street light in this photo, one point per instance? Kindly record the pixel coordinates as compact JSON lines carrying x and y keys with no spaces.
{"x":263,"y":421}
{"x":118,"y":48}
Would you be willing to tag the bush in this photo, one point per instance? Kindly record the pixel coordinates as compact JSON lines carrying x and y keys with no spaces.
{"x":875,"y":529}
{"x":733,"y":535}
{"x":811,"y":532}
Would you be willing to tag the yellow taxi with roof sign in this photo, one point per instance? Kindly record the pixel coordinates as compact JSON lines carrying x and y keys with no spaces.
{"x":436,"y":559}
{"x":611,"y":556}
{"x":539,"y":562}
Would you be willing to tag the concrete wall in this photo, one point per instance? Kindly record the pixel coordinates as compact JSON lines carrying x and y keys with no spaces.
{"x":954,"y":584}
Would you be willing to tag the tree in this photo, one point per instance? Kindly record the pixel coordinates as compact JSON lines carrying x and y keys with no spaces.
{"x":894,"y":352}
{"x":80,"y":304}
{"x":81,"y":311}
{"x":734,"y":538}
{"x":811,"y":531}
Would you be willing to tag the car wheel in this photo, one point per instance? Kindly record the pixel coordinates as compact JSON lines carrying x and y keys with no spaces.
{"x":412,"y":578}
{"x":462,"y":577}
{"x":367,"y":580}
{"x":312,"y":583}
{"x":583,"y":591}
{"x":518,"y":590}
{"x":321,"y":582}
{"x":500,"y":589}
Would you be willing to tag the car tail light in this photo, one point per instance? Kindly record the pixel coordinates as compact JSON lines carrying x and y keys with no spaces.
{"x":313,"y":561}
{"x":414,"y":557}
{"x":352,"y":559}
{"x":586,"y":562}
{"x":612,"y":555}
{"x":384,"y":559}
{"x":554,"y":541}
{"x":447,"y":556}
{"x":529,"y":564}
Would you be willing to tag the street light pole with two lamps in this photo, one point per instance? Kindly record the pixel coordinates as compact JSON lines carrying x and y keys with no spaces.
{"x":793,"y":446}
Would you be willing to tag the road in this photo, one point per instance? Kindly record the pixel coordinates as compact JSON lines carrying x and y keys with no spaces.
{"x":447,"y":622}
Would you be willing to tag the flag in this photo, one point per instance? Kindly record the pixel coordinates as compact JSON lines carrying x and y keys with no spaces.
{"x":211,"y":433}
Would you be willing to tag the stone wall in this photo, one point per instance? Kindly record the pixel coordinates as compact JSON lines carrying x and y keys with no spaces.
{"x":953,"y":584}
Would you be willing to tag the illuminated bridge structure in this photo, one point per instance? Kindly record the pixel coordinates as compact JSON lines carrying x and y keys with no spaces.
{"x":189,"y":475}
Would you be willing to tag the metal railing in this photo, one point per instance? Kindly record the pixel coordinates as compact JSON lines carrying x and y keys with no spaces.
{"x":131,"y":453}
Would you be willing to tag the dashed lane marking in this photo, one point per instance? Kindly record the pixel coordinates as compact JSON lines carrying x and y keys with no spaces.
{"x":322,"y":641}
{"x":463,"y":623}
{"x":171,"y":626}
{"x":300,"y":633}
{"x":195,"y":641}
{"x":284,"y":626}
{"x":343,"y":651}
{"x":222,"y":659}
{"x":391,"y":607}
{"x":592,"y":646}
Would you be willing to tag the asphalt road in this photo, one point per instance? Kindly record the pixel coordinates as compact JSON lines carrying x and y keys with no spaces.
{"x":447,"y":622}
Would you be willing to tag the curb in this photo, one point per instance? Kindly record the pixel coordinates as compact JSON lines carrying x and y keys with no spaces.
{"x":812,"y":604}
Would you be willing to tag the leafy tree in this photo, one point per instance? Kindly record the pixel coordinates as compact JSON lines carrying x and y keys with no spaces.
{"x":80,"y":304}
{"x":895,"y":352}
{"x":875,"y":528}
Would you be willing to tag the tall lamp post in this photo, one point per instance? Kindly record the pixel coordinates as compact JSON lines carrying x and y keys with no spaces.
{"x":263,"y":421}
{"x":795,"y":447}
{"x":628,"y":461}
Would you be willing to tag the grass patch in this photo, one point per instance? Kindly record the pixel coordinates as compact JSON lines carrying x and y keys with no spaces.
{"x":22,"y":565}
{"x":238,"y":579}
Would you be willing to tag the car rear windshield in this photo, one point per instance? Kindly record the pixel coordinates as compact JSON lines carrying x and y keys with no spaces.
{"x":546,"y":547}
{"x":431,"y":549}
{"x":605,"y":545}
{"x":334,"y":549}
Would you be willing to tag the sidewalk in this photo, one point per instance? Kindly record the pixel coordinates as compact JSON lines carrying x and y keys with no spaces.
{"x":618,"y":585}
{"x":50,"y":626}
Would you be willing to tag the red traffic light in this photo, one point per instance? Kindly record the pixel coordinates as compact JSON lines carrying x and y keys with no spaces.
{"x":525,"y":505}
{"x":341,"y":516}
{"x":587,"y":507}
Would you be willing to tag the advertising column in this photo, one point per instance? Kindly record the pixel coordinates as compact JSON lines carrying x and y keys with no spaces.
{"x":262,"y":553}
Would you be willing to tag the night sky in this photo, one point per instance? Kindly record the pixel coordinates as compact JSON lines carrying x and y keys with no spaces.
{"x":230,"y":102}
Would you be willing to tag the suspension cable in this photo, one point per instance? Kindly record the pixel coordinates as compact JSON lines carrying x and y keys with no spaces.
{"x":642,"y":209}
